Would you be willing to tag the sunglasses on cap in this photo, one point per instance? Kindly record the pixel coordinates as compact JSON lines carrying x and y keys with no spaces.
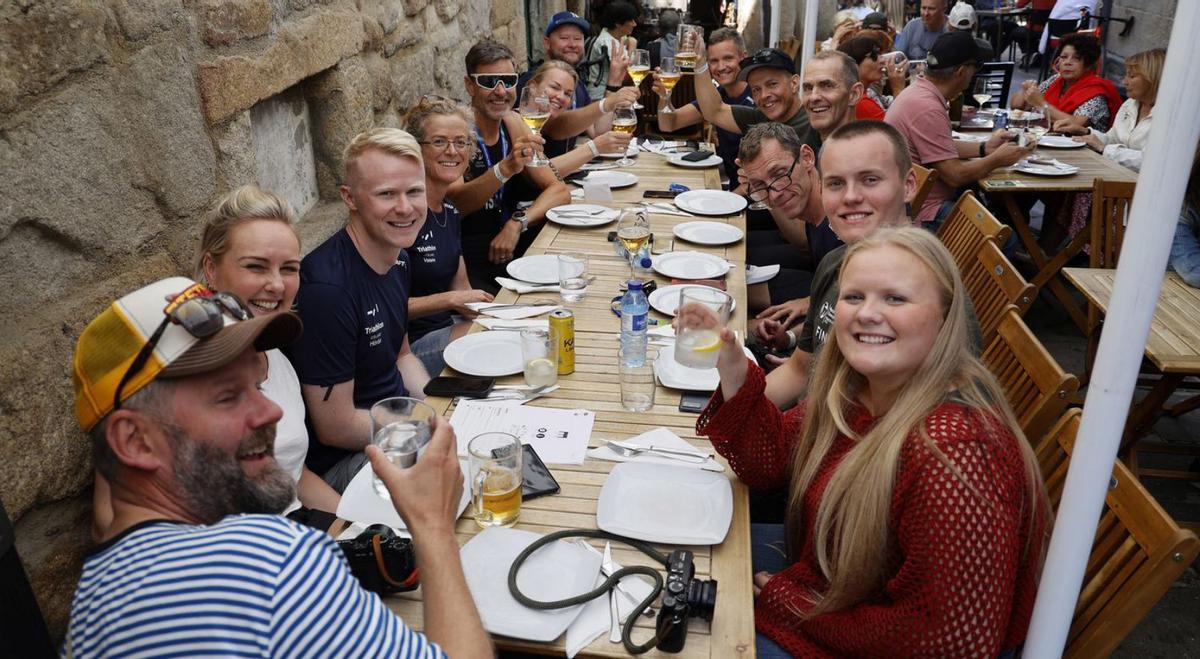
{"x":761,"y":57}
{"x":489,"y":81}
{"x":200,"y":315}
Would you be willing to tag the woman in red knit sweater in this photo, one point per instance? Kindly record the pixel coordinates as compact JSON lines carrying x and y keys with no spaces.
{"x":916,"y":516}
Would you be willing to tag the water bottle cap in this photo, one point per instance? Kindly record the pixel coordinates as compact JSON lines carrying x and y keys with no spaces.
{"x":645,"y":262}
{"x":635,"y":284}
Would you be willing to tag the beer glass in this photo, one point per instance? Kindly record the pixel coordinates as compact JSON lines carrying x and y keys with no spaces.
{"x":495,"y":459}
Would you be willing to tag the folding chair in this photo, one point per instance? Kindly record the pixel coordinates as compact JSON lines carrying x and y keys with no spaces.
{"x":926,"y":177}
{"x":1035,"y":385}
{"x":995,"y":285}
{"x":968,"y":224}
{"x":1139,"y":551}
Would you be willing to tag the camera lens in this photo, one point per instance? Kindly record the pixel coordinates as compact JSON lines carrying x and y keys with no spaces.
{"x":702,"y":598}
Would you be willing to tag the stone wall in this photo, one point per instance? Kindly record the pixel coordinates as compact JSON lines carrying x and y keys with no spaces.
{"x":1152,"y":29}
{"x":120,"y":121}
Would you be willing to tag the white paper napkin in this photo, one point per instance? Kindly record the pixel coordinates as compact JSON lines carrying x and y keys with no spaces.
{"x":524,"y":287}
{"x":577,"y":193}
{"x":662,"y":330}
{"x":594,"y":619}
{"x":511,"y":313}
{"x":596,"y":191}
{"x":757,"y":274}
{"x":662,"y":438}
{"x":493,"y":323}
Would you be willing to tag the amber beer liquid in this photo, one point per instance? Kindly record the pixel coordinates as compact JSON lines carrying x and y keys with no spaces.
{"x":638,"y":73}
{"x":562,"y":333}
{"x":686,"y":61}
{"x":626,"y":127}
{"x":668,"y":80}
{"x":535,"y":121}
{"x":501,"y":497}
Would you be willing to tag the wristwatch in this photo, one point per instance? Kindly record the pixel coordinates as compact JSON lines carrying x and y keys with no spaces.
{"x":520,"y":218}
{"x":613,"y":88}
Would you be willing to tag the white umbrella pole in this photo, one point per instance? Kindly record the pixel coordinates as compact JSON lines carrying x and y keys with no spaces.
{"x":1153,"y":215}
{"x":773,"y":31}
{"x":809,"y":42}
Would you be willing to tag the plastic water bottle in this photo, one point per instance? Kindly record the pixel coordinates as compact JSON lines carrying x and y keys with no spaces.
{"x":635,"y":309}
{"x":641,"y":264}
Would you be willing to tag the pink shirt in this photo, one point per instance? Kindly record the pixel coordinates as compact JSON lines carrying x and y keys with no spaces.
{"x":922,"y":115}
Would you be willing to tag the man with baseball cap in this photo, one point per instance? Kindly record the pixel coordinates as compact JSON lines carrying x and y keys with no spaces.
{"x":167,"y":388}
{"x":922,"y":115}
{"x":875,"y":20}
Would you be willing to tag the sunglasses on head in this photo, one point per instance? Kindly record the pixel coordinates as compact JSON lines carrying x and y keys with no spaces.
{"x":489,"y":81}
{"x":762,"y":56}
{"x":201,"y":316}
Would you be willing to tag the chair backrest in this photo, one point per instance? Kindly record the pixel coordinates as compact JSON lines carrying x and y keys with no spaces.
{"x":999,"y":76}
{"x":968,"y":224}
{"x":1035,"y":385}
{"x":1110,"y":209}
{"x":994,"y":285}
{"x":926,"y":177}
{"x":791,"y":47}
{"x":1139,"y":551}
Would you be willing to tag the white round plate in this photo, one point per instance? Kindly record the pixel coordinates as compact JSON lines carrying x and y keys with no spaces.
{"x":711,"y":161}
{"x":581,"y":215}
{"x":710,"y":202}
{"x":540,"y":269}
{"x":665,"y":299}
{"x":488,"y":354}
{"x":1059,"y":142}
{"x":630,"y":151}
{"x":613,"y":179}
{"x":1044,"y":170}
{"x":708,"y":233}
{"x":690,"y":265}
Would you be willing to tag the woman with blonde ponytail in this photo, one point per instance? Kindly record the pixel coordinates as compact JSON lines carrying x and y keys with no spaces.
{"x":916,"y":516}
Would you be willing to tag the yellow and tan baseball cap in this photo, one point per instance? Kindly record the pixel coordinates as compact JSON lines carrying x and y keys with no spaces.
{"x":110,"y":343}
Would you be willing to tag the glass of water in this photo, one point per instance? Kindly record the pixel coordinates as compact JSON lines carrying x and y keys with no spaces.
{"x":573,"y":276}
{"x":539,"y":355}
{"x":400,"y":428}
{"x":702,"y":313}
{"x":637,"y":383}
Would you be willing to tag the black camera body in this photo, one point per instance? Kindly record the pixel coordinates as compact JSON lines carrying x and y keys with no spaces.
{"x":382,"y":561}
{"x":684,"y":596}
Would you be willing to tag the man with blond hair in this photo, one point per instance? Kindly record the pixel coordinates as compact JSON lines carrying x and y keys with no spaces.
{"x":353,"y":300}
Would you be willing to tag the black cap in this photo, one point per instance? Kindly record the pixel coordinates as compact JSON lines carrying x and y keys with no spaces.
{"x":875,"y":21}
{"x":767,"y":57}
{"x":955,"y":49}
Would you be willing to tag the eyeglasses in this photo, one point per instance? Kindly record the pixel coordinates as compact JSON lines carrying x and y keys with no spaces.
{"x":777,"y":184}
{"x":489,"y":81}
{"x":201,"y":316}
{"x":441,"y":143}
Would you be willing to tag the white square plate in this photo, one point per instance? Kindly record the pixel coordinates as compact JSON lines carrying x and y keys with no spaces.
{"x":556,"y":571}
{"x":664,"y":503}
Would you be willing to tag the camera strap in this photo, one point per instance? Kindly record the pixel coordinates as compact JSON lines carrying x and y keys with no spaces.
{"x":609,"y":583}
{"x":409,"y":583}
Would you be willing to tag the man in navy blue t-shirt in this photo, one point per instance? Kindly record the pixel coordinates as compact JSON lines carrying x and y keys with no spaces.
{"x":353,"y":300}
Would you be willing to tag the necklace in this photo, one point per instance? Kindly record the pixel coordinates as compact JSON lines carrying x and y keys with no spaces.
{"x":445,"y":216}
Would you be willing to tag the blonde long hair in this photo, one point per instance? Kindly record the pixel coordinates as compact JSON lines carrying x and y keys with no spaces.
{"x":851,"y":524}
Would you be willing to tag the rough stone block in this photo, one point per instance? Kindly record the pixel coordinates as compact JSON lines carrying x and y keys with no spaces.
{"x":314,"y":43}
{"x":340,"y":102}
{"x":139,"y":19}
{"x":473,"y":21}
{"x":52,"y":541}
{"x":381,"y":81}
{"x":447,"y":9}
{"x":236,"y":163}
{"x":43,"y":45}
{"x":408,"y":32}
{"x":223,"y":22}
{"x":503,"y":12}
{"x":414,"y":7}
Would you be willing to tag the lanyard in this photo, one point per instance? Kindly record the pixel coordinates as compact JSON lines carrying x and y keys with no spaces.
{"x":494,"y":200}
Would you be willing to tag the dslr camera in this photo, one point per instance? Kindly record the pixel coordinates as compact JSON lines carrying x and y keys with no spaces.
{"x":684,"y":596}
{"x":382,"y":561}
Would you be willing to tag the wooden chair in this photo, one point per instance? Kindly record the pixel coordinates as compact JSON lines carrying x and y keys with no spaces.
{"x":967,"y":226}
{"x":995,"y":285}
{"x":1035,"y":385}
{"x":1110,"y":209}
{"x":925,"y":179}
{"x":1139,"y":551}
{"x":999,"y":76}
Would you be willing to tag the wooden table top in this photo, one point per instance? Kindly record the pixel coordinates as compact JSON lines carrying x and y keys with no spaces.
{"x":594,"y":386}
{"x":1091,"y":166}
{"x":1174,"y":341}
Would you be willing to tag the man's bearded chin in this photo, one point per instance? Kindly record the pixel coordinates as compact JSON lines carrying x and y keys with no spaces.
{"x":213,"y":484}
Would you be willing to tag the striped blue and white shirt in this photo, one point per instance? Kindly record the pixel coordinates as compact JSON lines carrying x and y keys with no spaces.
{"x":247,"y":586}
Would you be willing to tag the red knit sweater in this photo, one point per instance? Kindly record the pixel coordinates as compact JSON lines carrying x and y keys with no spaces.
{"x":962,"y":570}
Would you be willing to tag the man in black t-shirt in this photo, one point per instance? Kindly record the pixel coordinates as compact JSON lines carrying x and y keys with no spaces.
{"x":353,"y":300}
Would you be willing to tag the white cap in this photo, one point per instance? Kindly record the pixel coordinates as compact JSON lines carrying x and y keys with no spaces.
{"x":962,"y":16}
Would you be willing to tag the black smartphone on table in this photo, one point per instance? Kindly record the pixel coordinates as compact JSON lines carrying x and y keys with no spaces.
{"x":536,"y":479}
{"x":661,"y":194}
{"x":446,"y":386}
{"x":697,"y":156}
{"x":693,"y":402}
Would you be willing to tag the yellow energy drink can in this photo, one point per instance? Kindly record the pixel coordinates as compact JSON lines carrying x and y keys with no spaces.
{"x":562,"y":334}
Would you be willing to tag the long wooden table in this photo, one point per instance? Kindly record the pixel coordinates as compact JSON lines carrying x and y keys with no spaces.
{"x":1006,"y":184}
{"x":594,"y":386}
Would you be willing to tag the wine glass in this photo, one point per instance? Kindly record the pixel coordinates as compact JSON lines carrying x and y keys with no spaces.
{"x":535,"y":112}
{"x":625,"y":121}
{"x":981,"y":93}
{"x":685,"y":52}
{"x":639,"y":68}
{"x":633,"y":231}
{"x":668,"y":75}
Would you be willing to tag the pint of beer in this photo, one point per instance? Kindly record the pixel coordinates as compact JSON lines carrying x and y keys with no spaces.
{"x":495,"y":459}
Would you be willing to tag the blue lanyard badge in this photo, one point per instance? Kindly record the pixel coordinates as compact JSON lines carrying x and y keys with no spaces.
{"x":494,"y":201}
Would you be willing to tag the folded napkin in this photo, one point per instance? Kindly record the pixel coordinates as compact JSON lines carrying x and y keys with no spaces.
{"x":511,"y":313}
{"x":970,"y":137}
{"x":661,"y":438}
{"x":577,"y":193}
{"x":493,"y":323}
{"x":757,"y":274}
{"x":662,"y":330}
{"x":524,"y":287}
{"x":595,"y":618}
{"x":360,"y":503}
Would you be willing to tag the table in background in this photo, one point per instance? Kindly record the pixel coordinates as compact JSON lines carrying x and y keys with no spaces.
{"x":1005,"y":184}
{"x":1173,"y":345}
{"x":594,"y":386}
{"x":1000,"y":14}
